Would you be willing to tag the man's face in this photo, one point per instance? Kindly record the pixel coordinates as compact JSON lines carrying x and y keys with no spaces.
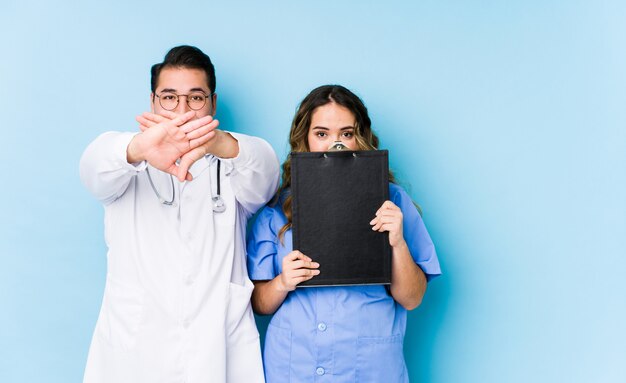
{"x":183,"y":82}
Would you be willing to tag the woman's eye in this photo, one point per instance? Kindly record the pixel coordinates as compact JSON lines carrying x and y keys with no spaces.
{"x":348,"y":134}
{"x":321,"y":134}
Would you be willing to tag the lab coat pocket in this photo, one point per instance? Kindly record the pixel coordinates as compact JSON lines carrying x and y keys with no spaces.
{"x":240,"y":325}
{"x":121,"y":314}
{"x":277,"y":355}
{"x":380,"y":359}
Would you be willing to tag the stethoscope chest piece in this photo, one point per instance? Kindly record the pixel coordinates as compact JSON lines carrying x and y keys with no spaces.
{"x":336,"y":146}
{"x":218,"y":204}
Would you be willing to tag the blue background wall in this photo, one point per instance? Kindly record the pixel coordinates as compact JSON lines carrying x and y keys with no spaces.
{"x":505,"y":120}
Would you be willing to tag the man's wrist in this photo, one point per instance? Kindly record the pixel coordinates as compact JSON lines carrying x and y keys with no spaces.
{"x":223,"y":145}
{"x":133,"y":154}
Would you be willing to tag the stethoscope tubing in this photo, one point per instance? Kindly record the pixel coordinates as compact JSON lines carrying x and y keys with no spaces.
{"x":218,"y":201}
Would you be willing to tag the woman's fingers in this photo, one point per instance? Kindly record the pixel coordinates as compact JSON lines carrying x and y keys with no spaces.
{"x":300,"y":264}
{"x":299,"y":261}
{"x":392,"y":219}
{"x":297,"y":268}
{"x":292,"y":256}
{"x":387,"y":205}
{"x":298,"y":273}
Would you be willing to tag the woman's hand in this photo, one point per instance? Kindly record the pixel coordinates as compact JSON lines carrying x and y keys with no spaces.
{"x":389,"y":218}
{"x":297,"y":268}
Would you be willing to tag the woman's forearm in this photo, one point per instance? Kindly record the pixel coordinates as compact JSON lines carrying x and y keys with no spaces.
{"x":408,"y":282}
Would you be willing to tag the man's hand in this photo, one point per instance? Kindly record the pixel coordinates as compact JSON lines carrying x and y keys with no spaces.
{"x":165,"y":139}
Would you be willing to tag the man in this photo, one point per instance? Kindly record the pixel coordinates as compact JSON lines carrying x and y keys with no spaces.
{"x":176,"y":302}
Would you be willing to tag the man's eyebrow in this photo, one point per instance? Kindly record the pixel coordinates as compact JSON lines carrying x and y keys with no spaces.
{"x":171,"y":90}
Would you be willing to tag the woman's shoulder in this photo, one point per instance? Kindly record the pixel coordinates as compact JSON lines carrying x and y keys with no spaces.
{"x":272,"y":213}
{"x":397,"y":193}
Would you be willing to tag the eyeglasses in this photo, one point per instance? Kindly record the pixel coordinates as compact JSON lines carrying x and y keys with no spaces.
{"x":195,"y":100}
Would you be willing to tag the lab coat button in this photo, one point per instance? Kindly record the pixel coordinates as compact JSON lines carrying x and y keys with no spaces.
{"x":186,"y":324}
{"x":320,"y":371}
{"x":321,"y":326}
{"x":189,"y":281}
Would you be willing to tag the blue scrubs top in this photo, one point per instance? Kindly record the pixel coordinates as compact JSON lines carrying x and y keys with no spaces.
{"x":335,"y":334}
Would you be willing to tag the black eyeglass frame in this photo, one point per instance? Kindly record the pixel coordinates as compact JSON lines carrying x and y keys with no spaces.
{"x":178,"y":96}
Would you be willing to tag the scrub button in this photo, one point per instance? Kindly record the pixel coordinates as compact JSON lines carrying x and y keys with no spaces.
{"x":320,"y":371}
{"x":321,"y":326}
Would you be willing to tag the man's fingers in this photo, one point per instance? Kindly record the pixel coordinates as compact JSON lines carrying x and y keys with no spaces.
{"x":172,"y":169}
{"x":195,"y":124}
{"x":168,"y":114}
{"x":153,"y":117}
{"x":202,"y":140}
{"x":202,"y":130}
{"x":145,"y":121}
{"x":183,"y":167}
{"x":184,"y":118}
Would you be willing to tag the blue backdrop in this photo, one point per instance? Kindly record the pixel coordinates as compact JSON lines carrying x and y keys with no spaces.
{"x":506,"y":121}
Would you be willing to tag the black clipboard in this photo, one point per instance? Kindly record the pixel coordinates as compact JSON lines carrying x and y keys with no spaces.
{"x":335,"y":196}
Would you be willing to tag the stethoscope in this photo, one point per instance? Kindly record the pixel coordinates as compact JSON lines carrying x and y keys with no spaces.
{"x":218,"y":201}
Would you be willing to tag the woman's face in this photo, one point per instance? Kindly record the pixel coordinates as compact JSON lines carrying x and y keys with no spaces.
{"x":330,"y":123}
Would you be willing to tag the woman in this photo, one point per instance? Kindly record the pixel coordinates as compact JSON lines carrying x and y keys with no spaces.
{"x":348,"y":333}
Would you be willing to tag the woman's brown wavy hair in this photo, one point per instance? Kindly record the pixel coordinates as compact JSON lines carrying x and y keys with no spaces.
{"x":365,"y":138}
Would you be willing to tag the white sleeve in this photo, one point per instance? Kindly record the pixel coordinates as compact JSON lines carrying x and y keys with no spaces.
{"x":104,"y":169}
{"x":254,"y":172}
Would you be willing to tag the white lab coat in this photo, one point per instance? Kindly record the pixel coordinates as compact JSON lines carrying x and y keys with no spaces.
{"x":176,"y":304}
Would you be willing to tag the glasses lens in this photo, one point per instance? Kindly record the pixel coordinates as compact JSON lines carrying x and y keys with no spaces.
{"x":196,"y":101}
{"x":168,"y":101}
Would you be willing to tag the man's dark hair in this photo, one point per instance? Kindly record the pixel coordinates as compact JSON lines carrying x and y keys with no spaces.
{"x":187,"y":57}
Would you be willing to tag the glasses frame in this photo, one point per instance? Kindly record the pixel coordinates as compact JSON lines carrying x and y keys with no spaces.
{"x":178,"y":96}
